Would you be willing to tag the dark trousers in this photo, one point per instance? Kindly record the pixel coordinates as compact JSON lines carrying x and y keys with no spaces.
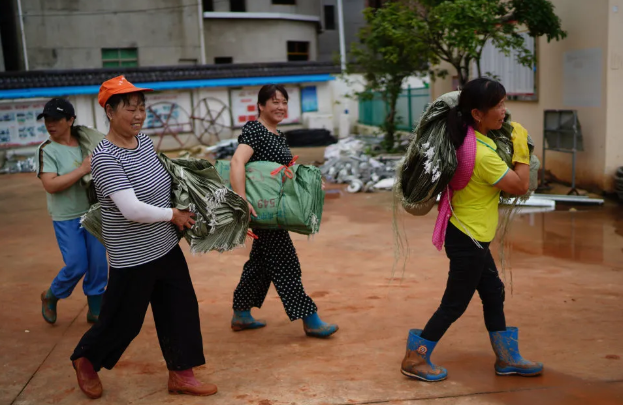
{"x":471,"y":269}
{"x":273,"y":259}
{"x":166,"y":284}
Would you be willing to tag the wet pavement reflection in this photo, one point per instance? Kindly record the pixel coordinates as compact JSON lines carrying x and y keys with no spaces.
{"x":583,"y":234}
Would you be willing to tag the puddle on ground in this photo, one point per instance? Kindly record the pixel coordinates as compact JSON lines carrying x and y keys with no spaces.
{"x":583,"y":234}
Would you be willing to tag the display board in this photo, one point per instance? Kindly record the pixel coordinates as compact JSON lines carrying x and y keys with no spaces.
{"x":309,"y":96}
{"x":168,"y":112}
{"x":19,"y":125}
{"x":244,"y":105}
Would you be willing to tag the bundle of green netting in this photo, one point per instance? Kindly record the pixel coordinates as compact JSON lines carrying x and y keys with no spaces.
{"x":221,"y":216}
{"x":430,"y":161}
{"x":283,"y":198}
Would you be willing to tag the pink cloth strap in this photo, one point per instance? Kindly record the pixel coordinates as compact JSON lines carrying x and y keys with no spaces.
{"x":466,"y":157}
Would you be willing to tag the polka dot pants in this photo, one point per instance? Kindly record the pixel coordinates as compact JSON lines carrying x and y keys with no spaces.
{"x":273,"y":259}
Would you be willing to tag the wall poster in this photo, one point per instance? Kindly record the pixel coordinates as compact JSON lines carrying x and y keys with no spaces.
{"x":19,"y":125}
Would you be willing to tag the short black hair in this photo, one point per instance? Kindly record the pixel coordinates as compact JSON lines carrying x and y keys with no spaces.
{"x":267,"y":92}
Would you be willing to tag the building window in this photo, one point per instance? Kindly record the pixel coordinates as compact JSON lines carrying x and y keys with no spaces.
{"x":237,"y":5}
{"x":208,"y":5}
{"x":375,"y":3}
{"x":284,"y":1}
{"x":115,"y":57}
{"x":222,"y":60}
{"x":329,"y":17}
{"x":518,"y":80}
{"x":298,"y":51}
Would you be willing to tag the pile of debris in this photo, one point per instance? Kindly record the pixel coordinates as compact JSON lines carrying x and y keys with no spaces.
{"x":348,"y":162}
{"x":224,"y":149}
{"x":16,"y":161}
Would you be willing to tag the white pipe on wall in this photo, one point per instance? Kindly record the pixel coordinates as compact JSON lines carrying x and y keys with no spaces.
{"x":340,"y":17}
{"x":202,"y":40}
{"x":21,"y":27}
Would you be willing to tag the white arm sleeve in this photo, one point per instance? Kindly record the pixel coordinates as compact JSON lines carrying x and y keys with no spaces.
{"x":134,"y":210}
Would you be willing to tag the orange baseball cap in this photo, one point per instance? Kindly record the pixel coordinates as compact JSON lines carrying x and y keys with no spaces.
{"x":116,"y":85}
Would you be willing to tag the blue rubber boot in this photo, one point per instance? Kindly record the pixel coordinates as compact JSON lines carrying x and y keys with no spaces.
{"x":417,"y":364}
{"x":315,"y":327}
{"x":95,"y":305}
{"x":243,"y":320}
{"x":48,"y":306}
{"x":509,"y":361}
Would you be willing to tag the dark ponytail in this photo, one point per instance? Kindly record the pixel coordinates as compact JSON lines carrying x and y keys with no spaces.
{"x":481,"y":94}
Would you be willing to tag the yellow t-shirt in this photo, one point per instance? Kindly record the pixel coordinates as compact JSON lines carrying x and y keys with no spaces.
{"x":476,"y":206}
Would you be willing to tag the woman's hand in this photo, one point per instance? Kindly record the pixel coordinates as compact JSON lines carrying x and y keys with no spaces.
{"x":183,"y":219}
{"x":85,"y":167}
{"x":251,"y":211}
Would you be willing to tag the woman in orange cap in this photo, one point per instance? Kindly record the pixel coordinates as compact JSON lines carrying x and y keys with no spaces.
{"x":146,"y":262}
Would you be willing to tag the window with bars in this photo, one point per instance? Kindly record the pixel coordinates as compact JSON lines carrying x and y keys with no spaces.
{"x":329,"y":17}
{"x":115,"y":57}
{"x":208,"y":5}
{"x":237,"y":5}
{"x":518,"y":80}
{"x":284,"y":1}
{"x":298,"y":51}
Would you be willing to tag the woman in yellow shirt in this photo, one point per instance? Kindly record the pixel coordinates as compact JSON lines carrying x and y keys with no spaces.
{"x":471,"y":229}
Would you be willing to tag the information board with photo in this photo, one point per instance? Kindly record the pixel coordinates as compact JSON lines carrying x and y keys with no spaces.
{"x":19,"y":125}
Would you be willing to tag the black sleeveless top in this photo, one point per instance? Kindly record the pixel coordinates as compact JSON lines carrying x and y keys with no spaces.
{"x":267,"y":146}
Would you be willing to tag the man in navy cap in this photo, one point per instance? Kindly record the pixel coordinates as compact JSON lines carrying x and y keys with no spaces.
{"x":60,"y":166}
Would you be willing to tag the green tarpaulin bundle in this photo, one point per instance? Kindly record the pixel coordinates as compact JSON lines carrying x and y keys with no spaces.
{"x":88,"y":138}
{"x":283,"y":198}
{"x":221,"y":216}
{"x":430,"y":161}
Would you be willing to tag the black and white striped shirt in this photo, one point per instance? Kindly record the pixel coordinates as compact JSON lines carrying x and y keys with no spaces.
{"x":114,"y":169}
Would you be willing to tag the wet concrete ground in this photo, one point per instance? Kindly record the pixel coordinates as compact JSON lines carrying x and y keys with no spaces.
{"x":567,"y":300}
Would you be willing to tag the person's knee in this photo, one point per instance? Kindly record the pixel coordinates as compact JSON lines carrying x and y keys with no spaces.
{"x":76,"y":263}
{"x":494,"y":297}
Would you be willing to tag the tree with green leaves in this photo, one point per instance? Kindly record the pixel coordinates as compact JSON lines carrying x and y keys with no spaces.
{"x":456,"y":31}
{"x":387,"y":54}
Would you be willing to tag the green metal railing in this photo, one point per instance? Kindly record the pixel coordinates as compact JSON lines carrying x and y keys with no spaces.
{"x":409,"y":108}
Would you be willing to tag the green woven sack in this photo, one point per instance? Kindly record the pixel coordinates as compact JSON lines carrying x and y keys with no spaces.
{"x":283,"y":198}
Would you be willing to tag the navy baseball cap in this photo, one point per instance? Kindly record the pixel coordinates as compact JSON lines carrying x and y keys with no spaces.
{"x":57,"y":108}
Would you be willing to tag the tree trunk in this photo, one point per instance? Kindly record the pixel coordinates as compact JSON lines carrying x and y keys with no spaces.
{"x":391,"y":99}
{"x":462,"y":79}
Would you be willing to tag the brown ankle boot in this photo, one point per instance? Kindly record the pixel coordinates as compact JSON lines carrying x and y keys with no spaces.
{"x":184,"y":382}
{"x":88,"y":380}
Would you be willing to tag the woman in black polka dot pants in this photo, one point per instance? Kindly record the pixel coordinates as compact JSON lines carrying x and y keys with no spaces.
{"x":273,"y":257}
